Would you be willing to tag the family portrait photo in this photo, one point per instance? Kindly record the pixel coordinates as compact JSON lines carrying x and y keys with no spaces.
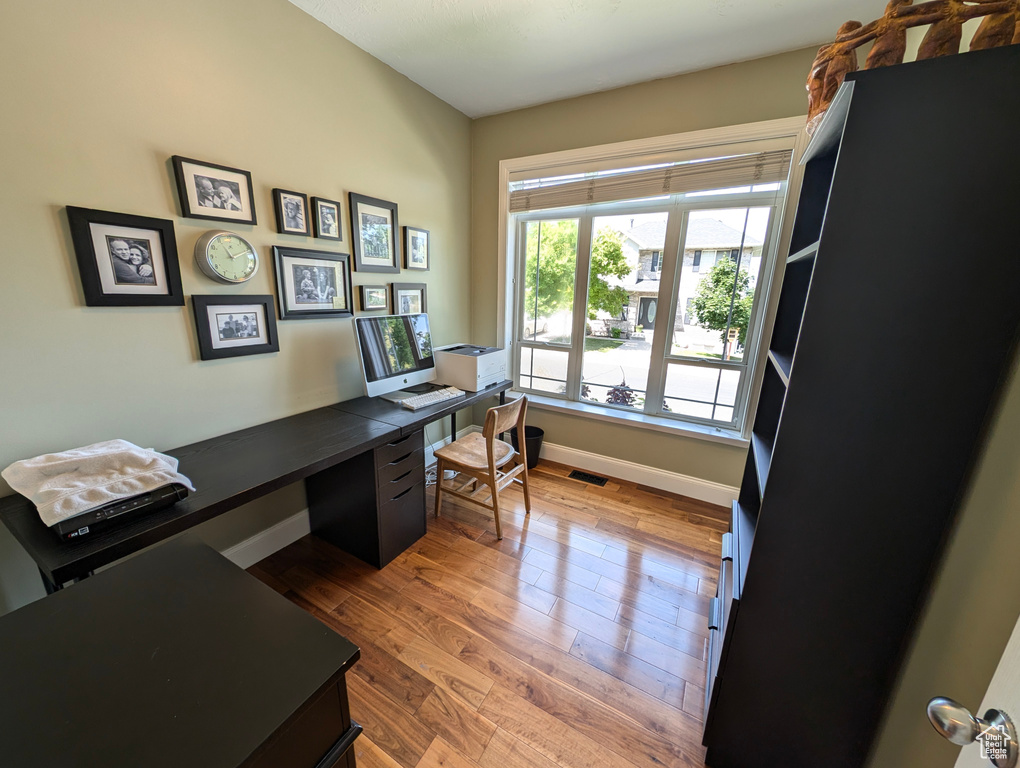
{"x":291,"y":212}
{"x":315,"y":285}
{"x":131,"y":260}
{"x":327,"y":218}
{"x":416,"y":248}
{"x":125,"y":260}
{"x":211,"y":191}
{"x":374,"y":234}
{"x":312,"y":283}
{"x":239,"y":326}
{"x":218,"y":193}
{"x":230,"y":326}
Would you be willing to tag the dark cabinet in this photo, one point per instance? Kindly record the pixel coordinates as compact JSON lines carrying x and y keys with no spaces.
{"x":897,"y":323}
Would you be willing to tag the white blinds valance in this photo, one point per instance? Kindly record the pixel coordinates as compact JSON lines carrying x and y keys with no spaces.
{"x":676,"y":178}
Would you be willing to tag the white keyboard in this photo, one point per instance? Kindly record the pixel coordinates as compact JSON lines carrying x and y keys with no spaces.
{"x":415,"y":402}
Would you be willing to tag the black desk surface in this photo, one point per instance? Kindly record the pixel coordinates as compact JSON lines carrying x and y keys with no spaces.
{"x":227,"y":471}
{"x":174,"y":658}
{"x":408,"y":421}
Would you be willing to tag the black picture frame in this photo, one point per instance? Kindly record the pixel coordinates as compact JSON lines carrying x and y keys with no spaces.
{"x":125,"y":260}
{"x":287,"y":222}
{"x":368,"y":246}
{"x":191,"y":174}
{"x":398,"y":289}
{"x":366,"y":305}
{"x":417,"y":255}
{"x":319,"y":206}
{"x":210,"y":310}
{"x":328,"y":292}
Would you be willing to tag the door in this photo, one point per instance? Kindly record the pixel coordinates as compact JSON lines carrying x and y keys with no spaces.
{"x":1003,"y":694}
{"x":646,"y":316}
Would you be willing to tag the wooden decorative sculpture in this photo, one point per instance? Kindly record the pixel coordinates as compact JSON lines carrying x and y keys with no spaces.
{"x":1000,"y":25}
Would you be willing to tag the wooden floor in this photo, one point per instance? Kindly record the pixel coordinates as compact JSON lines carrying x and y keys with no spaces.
{"x":578,"y":640}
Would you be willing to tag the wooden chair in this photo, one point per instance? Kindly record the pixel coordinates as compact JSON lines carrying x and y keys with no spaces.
{"x":489,"y":464}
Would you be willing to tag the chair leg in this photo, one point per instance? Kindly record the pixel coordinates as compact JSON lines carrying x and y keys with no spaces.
{"x":439,"y":485}
{"x":527,"y":491}
{"x":495,"y":507}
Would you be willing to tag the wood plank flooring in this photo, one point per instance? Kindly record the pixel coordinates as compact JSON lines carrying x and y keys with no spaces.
{"x":579,"y":640}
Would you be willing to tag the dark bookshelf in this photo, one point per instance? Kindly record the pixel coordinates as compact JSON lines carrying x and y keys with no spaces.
{"x":885,"y":364}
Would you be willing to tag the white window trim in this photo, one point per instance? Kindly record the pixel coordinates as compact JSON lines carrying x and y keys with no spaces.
{"x":705,"y":143}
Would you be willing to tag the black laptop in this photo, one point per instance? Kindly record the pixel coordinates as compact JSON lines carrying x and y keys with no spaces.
{"x":119,"y":511}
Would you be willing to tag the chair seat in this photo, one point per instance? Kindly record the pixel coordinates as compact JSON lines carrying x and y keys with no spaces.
{"x":469,"y":451}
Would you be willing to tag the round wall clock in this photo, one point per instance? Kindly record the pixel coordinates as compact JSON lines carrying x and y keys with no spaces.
{"x":226,"y":257}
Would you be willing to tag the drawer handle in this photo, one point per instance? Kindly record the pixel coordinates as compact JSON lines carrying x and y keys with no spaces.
{"x":398,"y":479}
{"x":402,"y":458}
{"x":395,"y":443}
{"x":404,"y":492}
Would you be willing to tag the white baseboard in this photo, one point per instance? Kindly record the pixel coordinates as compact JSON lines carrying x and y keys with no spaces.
{"x":264,"y":543}
{"x":685,"y":485}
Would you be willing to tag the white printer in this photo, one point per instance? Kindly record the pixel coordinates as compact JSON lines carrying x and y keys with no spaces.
{"x":470,"y":367}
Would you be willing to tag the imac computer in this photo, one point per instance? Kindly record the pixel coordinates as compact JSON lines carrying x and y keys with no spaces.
{"x":396,"y":354}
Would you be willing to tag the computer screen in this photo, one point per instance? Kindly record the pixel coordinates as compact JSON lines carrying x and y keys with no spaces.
{"x":395,"y":351}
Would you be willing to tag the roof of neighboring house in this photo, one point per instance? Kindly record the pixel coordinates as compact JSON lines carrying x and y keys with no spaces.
{"x":701,"y":233}
{"x":630,"y":286}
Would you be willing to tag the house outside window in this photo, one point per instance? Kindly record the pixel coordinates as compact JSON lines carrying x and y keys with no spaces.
{"x":643,"y":315}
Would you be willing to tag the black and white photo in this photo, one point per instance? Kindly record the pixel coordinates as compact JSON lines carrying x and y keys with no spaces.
{"x":374,"y":234}
{"x":239,"y":325}
{"x":211,"y":191}
{"x":374,"y":297}
{"x":416,"y":248}
{"x":231,"y":326}
{"x":327,"y":218}
{"x":125,"y":260}
{"x":291,"y":212}
{"x":409,"y":298}
{"x":312,"y":283}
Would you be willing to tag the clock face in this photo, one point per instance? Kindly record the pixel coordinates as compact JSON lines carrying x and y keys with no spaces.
{"x":228,"y":257}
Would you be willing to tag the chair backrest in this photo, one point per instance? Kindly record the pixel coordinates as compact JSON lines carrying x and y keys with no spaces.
{"x":503,"y":417}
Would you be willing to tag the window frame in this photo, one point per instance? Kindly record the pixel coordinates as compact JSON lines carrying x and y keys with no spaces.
{"x":697,"y":144}
{"x":661,"y":358}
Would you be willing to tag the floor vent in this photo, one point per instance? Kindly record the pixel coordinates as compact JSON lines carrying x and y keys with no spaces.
{"x":588,"y":477}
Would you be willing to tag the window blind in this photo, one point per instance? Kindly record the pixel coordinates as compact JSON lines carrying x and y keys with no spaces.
{"x":668,"y":179}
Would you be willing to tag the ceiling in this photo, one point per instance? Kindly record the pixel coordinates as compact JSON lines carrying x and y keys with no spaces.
{"x":489,"y":56}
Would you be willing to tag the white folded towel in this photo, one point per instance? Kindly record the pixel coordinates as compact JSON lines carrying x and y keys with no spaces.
{"x":65,"y":484}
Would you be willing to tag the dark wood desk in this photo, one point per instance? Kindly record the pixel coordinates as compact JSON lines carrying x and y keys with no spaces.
{"x":176,"y":657}
{"x":233,"y":469}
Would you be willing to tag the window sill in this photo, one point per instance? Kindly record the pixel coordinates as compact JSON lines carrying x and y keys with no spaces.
{"x":640,"y":420}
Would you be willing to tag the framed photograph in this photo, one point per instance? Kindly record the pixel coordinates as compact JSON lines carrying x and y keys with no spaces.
{"x":231,"y":326}
{"x":291,"y":212}
{"x":416,"y":248}
{"x":326,"y":214}
{"x":312,"y":283}
{"x":374,"y":297}
{"x":210,"y":191}
{"x":409,"y":298}
{"x":374,"y":234}
{"x":124,"y":260}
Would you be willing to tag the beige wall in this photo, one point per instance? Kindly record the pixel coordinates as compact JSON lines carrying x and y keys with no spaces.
{"x":764,"y":89}
{"x":96,"y":97}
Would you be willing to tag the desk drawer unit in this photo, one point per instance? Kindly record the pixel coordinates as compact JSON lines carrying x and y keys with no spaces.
{"x":372,"y":505}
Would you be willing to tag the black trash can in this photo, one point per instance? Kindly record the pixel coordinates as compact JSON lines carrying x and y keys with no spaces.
{"x":532,"y":443}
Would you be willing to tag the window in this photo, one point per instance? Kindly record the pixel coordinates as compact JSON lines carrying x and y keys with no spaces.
{"x":628,"y":299}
